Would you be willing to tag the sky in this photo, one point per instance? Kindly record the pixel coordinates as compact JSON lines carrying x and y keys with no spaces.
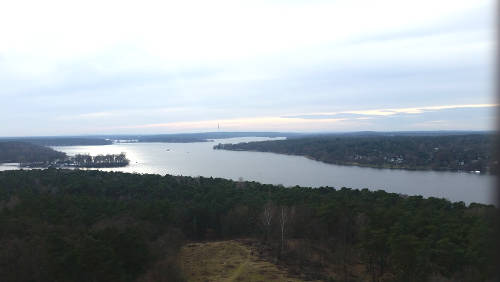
{"x":150,"y":67}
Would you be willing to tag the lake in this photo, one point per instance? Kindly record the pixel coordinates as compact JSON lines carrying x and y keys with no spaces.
{"x":199,"y":159}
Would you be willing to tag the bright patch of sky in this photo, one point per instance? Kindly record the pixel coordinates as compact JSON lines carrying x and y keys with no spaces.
{"x":100,"y":67}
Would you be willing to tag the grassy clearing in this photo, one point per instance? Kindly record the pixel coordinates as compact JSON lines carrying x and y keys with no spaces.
{"x":227,"y":261}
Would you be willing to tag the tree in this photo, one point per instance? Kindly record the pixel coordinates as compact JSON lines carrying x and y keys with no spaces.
{"x":267,"y":219}
{"x":285,"y":215}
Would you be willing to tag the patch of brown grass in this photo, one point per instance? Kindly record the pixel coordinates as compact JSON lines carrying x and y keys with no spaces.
{"x":228,"y":261}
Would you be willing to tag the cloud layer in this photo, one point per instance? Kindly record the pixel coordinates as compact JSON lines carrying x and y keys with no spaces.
{"x":159,"y":66}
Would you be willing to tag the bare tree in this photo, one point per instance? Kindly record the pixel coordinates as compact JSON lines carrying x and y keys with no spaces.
{"x":286,"y":215}
{"x":267,"y":218}
{"x":283,"y":220}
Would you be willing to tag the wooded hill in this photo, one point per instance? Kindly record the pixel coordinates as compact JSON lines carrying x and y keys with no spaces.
{"x":23,"y":152}
{"x":470,"y":152}
{"x":63,"y":225}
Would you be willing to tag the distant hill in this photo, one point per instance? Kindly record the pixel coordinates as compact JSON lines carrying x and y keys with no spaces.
{"x":390,"y":133}
{"x":92,"y":140}
{"x":60,"y":141}
{"x":195,"y":137}
{"x":167,"y":138}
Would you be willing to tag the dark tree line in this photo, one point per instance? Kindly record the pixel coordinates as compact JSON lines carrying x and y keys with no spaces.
{"x":472,"y":152}
{"x":31,"y":155}
{"x":63,"y":225}
{"x":109,"y":160}
{"x":22,"y":152}
{"x":60,"y":141}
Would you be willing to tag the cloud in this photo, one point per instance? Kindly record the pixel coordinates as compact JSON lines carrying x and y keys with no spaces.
{"x":97,"y":115}
{"x":419,"y":110}
{"x":347,"y":121}
{"x":70,"y":69}
{"x":387,"y":112}
{"x":325,"y":116}
{"x":238,"y":124}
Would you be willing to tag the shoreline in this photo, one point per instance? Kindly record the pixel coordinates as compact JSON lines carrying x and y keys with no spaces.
{"x":365,"y":165}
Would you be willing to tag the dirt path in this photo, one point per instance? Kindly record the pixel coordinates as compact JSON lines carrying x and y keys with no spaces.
{"x":227,"y":261}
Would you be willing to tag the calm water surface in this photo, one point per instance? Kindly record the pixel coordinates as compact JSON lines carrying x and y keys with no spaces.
{"x":199,"y":159}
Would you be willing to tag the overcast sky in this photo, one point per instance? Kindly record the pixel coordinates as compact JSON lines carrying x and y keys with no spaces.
{"x":95,"y":67}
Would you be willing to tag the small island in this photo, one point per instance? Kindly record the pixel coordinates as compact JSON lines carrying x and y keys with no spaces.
{"x":99,"y":161}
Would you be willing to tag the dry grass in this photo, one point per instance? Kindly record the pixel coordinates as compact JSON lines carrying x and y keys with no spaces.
{"x":227,"y":261}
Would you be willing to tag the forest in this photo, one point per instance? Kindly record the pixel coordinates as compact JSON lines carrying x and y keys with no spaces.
{"x":32,"y":155}
{"x":76,"y":225}
{"x":466,"y":152}
{"x":23,"y":152}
